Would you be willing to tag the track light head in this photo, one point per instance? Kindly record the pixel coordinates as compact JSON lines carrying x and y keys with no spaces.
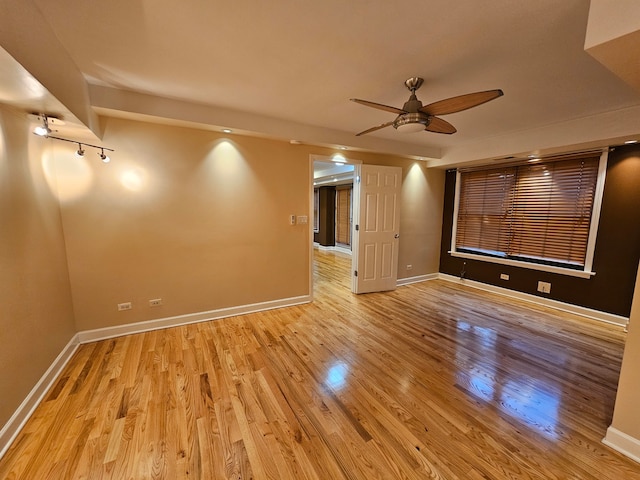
{"x":80,"y":151}
{"x":43,"y":130}
{"x":103,"y":157}
{"x":49,"y":122}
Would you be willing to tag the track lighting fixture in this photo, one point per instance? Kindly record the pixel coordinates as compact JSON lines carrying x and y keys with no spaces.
{"x":80,"y":151}
{"x":44,"y":130}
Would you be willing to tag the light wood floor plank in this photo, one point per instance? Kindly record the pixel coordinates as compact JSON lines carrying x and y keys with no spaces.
{"x":432,"y":380}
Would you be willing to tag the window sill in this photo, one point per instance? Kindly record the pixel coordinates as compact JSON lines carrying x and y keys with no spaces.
{"x":531,"y":266}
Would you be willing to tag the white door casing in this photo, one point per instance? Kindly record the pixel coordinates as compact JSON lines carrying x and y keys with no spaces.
{"x":376,"y":231}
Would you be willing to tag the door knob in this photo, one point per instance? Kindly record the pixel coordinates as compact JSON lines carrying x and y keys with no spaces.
{"x":397,"y":235}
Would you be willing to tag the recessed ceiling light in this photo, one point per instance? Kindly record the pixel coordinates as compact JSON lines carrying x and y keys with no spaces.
{"x":533,"y":159}
{"x":629,"y":142}
{"x":342,"y":148}
{"x":227,"y":130}
{"x":338,"y":158}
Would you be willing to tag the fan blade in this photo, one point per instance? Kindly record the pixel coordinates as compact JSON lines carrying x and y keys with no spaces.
{"x":373,"y":129}
{"x":439,"y":125}
{"x":461,"y":102}
{"x":379,"y":106}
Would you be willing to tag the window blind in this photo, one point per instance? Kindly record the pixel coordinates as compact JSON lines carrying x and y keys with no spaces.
{"x":343,"y":215}
{"x":535,"y":212}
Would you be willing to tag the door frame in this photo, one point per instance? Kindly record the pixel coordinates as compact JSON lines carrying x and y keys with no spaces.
{"x":356,"y":208}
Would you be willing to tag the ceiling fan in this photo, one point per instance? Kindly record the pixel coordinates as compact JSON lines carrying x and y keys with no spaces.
{"x":413,"y":117}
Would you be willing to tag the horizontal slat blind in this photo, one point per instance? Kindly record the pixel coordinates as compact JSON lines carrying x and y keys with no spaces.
{"x":343,"y":215}
{"x":484,"y":208}
{"x":536,"y":212}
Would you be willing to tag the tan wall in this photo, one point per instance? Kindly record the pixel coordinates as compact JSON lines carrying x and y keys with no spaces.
{"x":36,"y":317}
{"x":625,"y":415}
{"x":201,"y":220}
{"x":197,"y":218}
{"x":420,"y":220}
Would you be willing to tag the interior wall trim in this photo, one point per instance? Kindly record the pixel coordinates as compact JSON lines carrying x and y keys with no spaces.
{"x":547,"y":302}
{"x":19,"y":418}
{"x":417,"y":279}
{"x":623,"y":443}
{"x":87,"y":336}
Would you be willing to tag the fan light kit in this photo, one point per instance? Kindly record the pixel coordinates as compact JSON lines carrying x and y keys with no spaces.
{"x":45,"y":131}
{"x":414,"y":117}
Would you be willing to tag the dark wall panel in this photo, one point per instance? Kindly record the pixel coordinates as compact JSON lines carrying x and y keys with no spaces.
{"x":326,"y":234}
{"x":617,"y":248}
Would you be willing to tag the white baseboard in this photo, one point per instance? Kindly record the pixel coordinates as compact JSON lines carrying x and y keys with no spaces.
{"x":623,"y":443}
{"x":416,"y":279}
{"x":547,"y":302}
{"x":87,"y":336}
{"x":11,"y":429}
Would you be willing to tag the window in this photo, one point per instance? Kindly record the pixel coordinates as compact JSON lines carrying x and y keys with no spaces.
{"x":343,"y":214}
{"x":542,"y":215}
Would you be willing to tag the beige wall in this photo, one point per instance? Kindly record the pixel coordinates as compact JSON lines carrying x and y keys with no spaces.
{"x":201,"y":220}
{"x":625,"y":416}
{"x":420,"y":220}
{"x":36,"y":317}
{"x":197,"y":218}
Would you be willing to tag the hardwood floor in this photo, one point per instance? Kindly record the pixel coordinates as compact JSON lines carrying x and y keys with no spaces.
{"x":433,"y":380}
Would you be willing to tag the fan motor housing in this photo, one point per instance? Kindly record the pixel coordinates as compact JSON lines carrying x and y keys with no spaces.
{"x":411,"y":122}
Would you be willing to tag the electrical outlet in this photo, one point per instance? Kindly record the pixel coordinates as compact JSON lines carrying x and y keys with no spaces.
{"x":504,"y":276}
{"x":125,"y":306}
{"x":302,"y":219}
{"x":409,"y":267}
{"x":544,"y":287}
{"x":292,"y":219}
{"x":156,"y":302}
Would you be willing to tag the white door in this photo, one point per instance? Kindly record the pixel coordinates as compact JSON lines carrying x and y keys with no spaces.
{"x":377,"y":229}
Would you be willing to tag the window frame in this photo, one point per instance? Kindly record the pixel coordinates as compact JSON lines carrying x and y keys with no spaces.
{"x":586,"y":272}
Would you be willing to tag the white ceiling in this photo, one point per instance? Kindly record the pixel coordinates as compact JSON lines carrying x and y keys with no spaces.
{"x":295,"y":64}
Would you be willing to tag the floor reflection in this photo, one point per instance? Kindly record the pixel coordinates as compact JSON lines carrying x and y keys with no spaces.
{"x":337,"y":376}
{"x":489,"y":371}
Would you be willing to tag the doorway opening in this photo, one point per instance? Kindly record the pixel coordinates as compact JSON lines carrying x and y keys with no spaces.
{"x":364,"y":217}
{"x":333,"y":207}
